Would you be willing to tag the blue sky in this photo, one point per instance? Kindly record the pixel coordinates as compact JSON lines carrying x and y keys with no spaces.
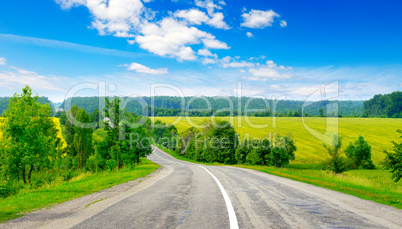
{"x":286,"y":49}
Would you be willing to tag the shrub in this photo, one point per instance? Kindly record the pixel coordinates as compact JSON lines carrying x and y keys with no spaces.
{"x":111,"y":164}
{"x":360,"y":153}
{"x":336,"y":163}
{"x":7,"y":189}
{"x":393,"y":161}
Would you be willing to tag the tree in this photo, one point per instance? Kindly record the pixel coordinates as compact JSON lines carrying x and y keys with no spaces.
{"x":393,"y":161}
{"x":29,"y":135}
{"x":282,"y":153}
{"x":360,"y":153}
{"x":321,"y":111}
{"x":112,"y":126}
{"x":82,"y":141}
{"x":336,"y":162}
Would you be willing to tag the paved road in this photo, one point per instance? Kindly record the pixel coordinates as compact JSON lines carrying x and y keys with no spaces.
{"x":187,"y":195}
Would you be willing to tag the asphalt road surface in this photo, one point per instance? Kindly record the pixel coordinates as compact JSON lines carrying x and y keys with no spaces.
{"x":187,"y":195}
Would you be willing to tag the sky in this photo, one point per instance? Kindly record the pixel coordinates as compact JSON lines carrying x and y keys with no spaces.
{"x":274,"y":49}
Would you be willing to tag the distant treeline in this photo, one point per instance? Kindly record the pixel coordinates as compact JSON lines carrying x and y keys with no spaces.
{"x":220,"y":106}
{"x":388,"y":105}
{"x":4,"y":102}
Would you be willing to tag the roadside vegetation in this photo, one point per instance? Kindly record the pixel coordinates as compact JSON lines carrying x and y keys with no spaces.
{"x":43,"y":163}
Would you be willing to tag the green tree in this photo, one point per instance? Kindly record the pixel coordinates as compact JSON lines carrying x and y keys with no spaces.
{"x":360,"y":153}
{"x":393,"y":161}
{"x":29,"y":135}
{"x":82,"y":141}
{"x":336,"y":162}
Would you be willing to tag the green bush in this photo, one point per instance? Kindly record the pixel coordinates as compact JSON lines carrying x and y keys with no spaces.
{"x":111,"y":164}
{"x":6,"y":189}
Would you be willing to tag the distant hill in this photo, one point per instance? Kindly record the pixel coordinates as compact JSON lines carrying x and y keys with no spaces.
{"x":345,"y":108}
{"x":4,"y":102}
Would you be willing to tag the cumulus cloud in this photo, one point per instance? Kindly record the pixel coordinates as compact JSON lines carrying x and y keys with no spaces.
{"x":249,"y":34}
{"x":258,"y":18}
{"x":197,"y":17}
{"x":146,"y":70}
{"x":283,"y":23}
{"x":169,"y":37}
{"x":118,"y":18}
{"x":2,"y":60}
{"x":173,"y":38}
{"x":269,"y":71}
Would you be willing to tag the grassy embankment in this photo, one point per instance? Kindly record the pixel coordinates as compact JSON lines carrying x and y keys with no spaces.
{"x":28,"y":200}
{"x":375,"y":185}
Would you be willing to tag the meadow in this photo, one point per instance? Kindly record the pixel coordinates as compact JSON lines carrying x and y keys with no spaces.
{"x":378,"y":132}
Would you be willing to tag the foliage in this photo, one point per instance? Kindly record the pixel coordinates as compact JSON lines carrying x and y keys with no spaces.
{"x":388,"y":105}
{"x":29,"y":136}
{"x":336,"y":162}
{"x":360,"y":153}
{"x":82,"y":141}
{"x":163,"y":106}
{"x":393,"y":161}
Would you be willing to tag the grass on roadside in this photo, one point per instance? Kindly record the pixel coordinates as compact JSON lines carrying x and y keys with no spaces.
{"x":29,"y":200}
{"x":374,"y":185}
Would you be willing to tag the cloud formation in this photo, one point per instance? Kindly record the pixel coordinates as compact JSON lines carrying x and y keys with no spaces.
{"x":146,"y":70}
{"x":258,"y":19}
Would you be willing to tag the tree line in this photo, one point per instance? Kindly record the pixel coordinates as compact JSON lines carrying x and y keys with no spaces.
{"x":388,"y":105}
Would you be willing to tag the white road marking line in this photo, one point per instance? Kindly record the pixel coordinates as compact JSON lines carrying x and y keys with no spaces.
{"x":229,"y":206}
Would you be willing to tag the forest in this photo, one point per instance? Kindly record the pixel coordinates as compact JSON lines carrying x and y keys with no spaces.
{"x":220,"y":106}
{"x":388,"y":105}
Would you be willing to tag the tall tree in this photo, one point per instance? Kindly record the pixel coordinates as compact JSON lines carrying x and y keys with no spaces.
{"x":393,"y":161}
{"x":82,"y":140}
{"x":29,"y":135}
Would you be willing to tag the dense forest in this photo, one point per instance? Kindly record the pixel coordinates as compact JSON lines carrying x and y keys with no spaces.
{"x":388,"y":105}
{"x":5,"y":100}
{"x":220,"y":106}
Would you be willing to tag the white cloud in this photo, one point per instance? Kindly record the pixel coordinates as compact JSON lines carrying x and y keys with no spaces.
{"x":193,"y":16}
{"x":269,"y":71}
{"x":249,"y":34}
{"x":131,"y":42}
{"x":207,"y":61}
{"x":258,"y":18}
{"x":170,"y":37}
{"x":118,"y":18}
{"x":283,"y":23}
{"x":206,"y":52}
{"x":197,"y":17}
{"x":146,"y":70}
{"x":209,"y":5}
{"x":215,"y":44}
{"x":2,"y":60}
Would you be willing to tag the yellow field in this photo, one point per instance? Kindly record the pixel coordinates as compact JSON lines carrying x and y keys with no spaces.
{"x":377,"y":132}
{"x":59,"y":134}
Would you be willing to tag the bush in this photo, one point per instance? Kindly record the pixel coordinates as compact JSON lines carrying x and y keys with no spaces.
{"x":393,"y":161}
{"x":360,"y":153}
{"x":336,"y":163}
{"x":7,"y":189}
{"x":111,"y":164}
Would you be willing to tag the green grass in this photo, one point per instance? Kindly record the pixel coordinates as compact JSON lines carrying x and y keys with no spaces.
{"x":377,"y":131}
{"x":29,"y":200}
{"x":374,"y":185}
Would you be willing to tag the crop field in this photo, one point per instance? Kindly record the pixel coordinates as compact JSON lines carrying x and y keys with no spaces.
{"x":377,"y":131}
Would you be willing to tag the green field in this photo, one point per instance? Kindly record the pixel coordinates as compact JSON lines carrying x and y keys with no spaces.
{"x":377,"y":131}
